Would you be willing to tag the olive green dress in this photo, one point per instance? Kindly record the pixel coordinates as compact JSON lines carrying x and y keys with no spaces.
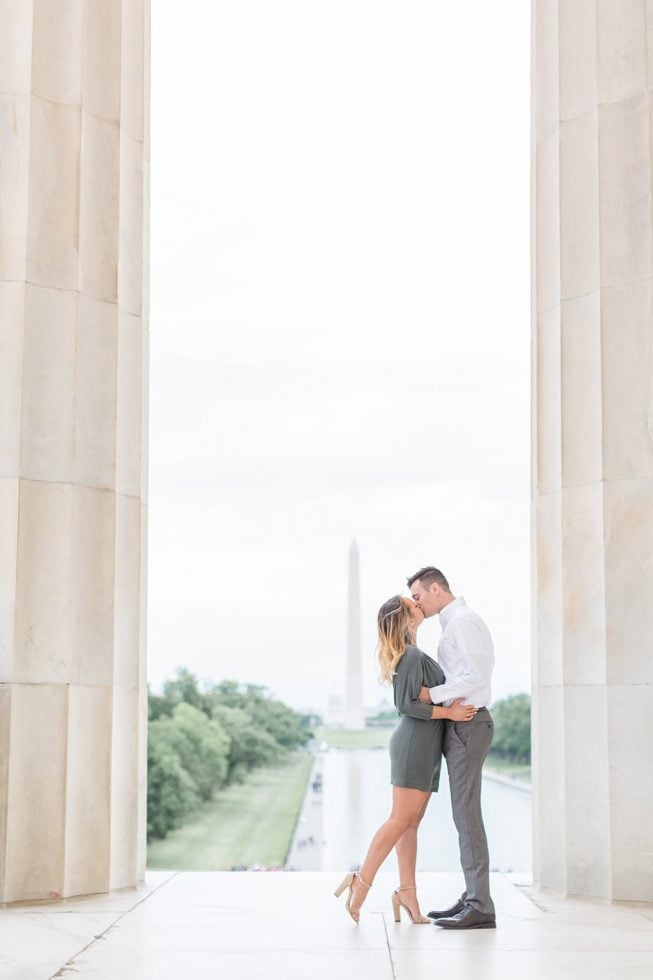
{"x":416,"y":743}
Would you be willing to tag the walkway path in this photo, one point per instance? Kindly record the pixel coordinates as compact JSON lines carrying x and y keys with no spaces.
{"x":288,"y":925}
{"x":306,"y":850}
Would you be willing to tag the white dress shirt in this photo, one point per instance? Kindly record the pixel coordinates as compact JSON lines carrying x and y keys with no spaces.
{"x":466,"y":655}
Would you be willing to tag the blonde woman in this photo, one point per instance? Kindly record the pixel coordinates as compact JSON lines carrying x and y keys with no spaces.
{"x":415,"y":756}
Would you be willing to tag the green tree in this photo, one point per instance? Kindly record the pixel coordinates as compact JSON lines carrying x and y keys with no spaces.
{"x":199,"y":738}
{"x":233,"y":694}
{"x":203,"y":748}
{"x":250,"y":745}
{"x":512,"y":728}
{"x":171,"y":791}
{"x":183,"y":689}
{"x":268,"y":714}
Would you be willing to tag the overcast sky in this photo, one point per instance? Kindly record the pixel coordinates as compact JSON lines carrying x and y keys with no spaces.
{"x":340,"y":328}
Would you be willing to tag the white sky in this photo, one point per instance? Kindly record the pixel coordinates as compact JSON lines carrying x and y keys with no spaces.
{"x":340,"y":328}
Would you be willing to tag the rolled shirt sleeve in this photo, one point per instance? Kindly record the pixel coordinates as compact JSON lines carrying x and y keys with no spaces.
{"x":408,"y":682}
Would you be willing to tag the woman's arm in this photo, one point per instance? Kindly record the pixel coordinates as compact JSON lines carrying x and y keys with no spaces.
{"x":407,"y":685}
{"x":455,"y":712}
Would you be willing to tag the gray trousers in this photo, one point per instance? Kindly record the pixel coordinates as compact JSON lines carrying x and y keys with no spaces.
{"x":466,"y":744}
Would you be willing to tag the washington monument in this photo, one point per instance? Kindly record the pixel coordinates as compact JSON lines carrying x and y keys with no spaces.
{"x":354,"y":692}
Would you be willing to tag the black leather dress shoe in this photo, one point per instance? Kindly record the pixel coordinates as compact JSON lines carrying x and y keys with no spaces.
{"x":447,"y":913}
{"x":469,"y":918}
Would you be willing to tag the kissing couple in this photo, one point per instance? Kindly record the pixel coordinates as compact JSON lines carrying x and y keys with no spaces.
{"x":443,"y":707}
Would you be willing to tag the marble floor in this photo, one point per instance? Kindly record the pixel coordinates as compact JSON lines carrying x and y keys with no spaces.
{"x":288,"y":925}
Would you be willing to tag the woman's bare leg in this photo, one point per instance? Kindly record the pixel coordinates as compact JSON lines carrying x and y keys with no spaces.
{"x":407,"y":804}
{"x":406,"y":848}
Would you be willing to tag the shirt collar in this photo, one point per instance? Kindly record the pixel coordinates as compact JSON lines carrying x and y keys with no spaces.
{"x":449,"y":610}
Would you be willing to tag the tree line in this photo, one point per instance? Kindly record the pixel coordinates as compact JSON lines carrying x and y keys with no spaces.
{"x":201,"y":739}
{"x":512,"y":728}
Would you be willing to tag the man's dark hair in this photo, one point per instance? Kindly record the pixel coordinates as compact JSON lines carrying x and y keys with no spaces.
{"x":427,"y":576}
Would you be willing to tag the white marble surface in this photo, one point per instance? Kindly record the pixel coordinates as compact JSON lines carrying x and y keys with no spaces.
{"x":74,"y":109}
{"x":289,"y":925}
{"x":592,"y":450}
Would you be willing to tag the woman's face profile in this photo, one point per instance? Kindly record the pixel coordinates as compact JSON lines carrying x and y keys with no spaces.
{"x":416,"y":614}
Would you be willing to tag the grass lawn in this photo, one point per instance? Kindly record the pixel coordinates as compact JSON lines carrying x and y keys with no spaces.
{"x":246,"y":824}
{"x":342,"y":738}
{"x":516,"y":770}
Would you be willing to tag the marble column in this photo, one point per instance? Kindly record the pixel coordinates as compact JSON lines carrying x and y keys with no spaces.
{"x":73,"y":423}
{"x":593,"y":447}
{"x":354,"y":680}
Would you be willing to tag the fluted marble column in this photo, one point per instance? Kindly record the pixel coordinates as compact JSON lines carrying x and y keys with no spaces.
{"x":73,"y":396}
{"x":593,"y":447}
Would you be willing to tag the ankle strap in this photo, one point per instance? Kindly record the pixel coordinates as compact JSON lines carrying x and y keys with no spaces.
{"x":407,"y":888}
{"x":358,"y":875}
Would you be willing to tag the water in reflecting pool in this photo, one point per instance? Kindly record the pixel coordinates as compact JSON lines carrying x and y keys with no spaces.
{"x":338,"y":820}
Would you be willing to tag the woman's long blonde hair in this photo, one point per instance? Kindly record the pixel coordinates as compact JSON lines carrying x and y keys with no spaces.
{"x":396,"y":631}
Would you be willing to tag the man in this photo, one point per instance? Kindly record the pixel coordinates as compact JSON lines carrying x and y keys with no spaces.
{"x":466,"y":655}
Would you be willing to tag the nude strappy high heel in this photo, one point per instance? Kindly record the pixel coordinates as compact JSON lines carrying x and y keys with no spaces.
{"x":348,"y":882}
{"x":397,"y":904}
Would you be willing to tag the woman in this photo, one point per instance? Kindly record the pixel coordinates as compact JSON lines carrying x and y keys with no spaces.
{"x":415,"y":756}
